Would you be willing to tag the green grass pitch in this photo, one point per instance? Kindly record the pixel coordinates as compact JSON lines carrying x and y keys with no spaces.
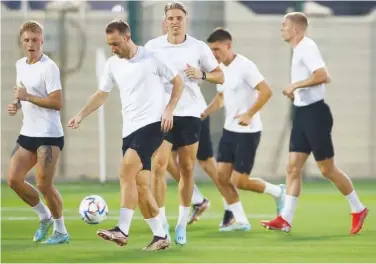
{"x":320,"y":230}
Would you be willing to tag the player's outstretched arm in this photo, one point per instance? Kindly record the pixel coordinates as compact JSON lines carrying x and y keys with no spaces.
{"x":95,"y":101}
{"x":52,"y":101}
{"x":216,"y":104}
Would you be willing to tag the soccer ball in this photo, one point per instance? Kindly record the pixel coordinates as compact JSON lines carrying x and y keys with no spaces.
{"x":93,"y":209}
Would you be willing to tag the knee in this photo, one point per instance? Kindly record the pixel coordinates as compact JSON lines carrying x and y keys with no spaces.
{"x":327,"y":171}
{"x":293,"y":170}
{"x":237,"y":181}
{"x":159,"y":167}
{"x":186,"y":168}
{"x":13,"y":182}
{"x":43,"y":187}
{"x":204,"y":164}
{"x":223,"y":180}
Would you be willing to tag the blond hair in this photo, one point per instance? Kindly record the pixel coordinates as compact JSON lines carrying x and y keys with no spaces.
{"x":31,"y":26}
{"x":298,"y":18}
{"x":176,"y":5}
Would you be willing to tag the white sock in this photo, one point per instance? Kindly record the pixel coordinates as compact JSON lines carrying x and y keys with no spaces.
{"x":225,"y":205}
{"x":42,"y":210}
{"x":125,"y":219}
{"x":288,"y":210}
{"x":273,"y":190}
{"x":183,"y":216}
{"x":354,"y":202}
{"x":59,"y":225}
{"x":162,"y":215}
{"x":197,"y":196}
{"x":238,"y":211}
{"x":156,"y":226}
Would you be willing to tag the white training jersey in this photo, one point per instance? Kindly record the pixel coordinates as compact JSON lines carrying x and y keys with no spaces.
{"x":191,"y":52}
{"x":40,"y":79}
{"x":239,"y":93}
{"x":305,"y":60}
{"x":140,"y":82}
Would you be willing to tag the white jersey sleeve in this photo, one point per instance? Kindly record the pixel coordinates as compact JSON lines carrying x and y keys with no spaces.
{"x":164,"y":68}
{"x":207,"y":59}
{"x":148,"y":45}
{"x":252,"y":75}
{"x":312,"y":58}
{"x":52,"y":78}
{"x":107,"y":80}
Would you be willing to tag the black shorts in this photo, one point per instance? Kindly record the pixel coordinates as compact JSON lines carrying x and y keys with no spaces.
{"x":33,"y":143}
{"x":185,"y":132}
{"x":145,"y":141}
{"x":312,"y":130}
{"x":205,"y":145}
{"x":239,"y":149}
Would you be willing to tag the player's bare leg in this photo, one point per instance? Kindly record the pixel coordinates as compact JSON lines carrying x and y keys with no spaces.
{"x":243,"y":182}
{"x":344,"y":185}
{"x":173,"y":166}
{"x":209,"y":166}
{"x":131,"y":165}
{"x":187,"y":158}
{"x":230,"y":193}
{"x":48,"y":157}
{"x":293,"y":189}
{"x":158,"y":180}
{"x":149,"y":209}
{"x":21,"y":162}
{"x":200,"y":203}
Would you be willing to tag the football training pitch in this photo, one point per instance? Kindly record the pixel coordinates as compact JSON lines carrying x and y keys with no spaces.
{"x":319,"y":234}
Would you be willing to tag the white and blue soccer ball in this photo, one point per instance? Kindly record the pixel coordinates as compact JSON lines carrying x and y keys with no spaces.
{"x":93,"y":209}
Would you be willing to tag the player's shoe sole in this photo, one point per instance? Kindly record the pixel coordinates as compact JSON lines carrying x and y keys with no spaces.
{"x":198,"y":209}
{"x":158,"y":243}
{"x":110,"y":236}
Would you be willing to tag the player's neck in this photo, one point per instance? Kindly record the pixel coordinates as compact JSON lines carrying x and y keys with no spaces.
{"x":34,"y":59}
{"x":296,"y":40}
{"x":176,"y":39}
{"x":132,"y":51}
{"x":229,"y":59}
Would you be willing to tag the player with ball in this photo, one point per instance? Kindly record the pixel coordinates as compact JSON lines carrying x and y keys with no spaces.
{"x":138,"y":73}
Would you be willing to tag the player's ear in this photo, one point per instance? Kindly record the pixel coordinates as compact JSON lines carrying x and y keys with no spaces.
{"x":294,"y":29}
{"x":229,"y":45}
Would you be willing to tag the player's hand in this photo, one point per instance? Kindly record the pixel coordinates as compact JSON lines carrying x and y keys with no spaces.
{"x":20,"y":93}
{"x":204,"y":116}
{"x":289,"y":91}
{"x":193,"y":73}
{"x":243,"y":119}
{"x":75,"y":122}
{"x":13,"y":108}
{"x":167,"y":121}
